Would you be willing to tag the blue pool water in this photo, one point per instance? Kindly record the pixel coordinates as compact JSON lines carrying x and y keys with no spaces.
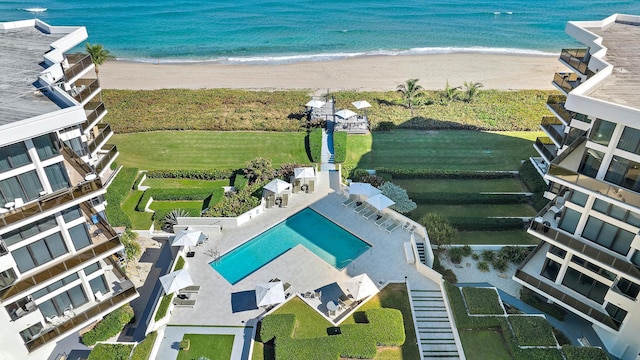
{"x":318,"y":234}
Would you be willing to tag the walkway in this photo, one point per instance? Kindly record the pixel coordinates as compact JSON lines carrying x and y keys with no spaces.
{"x":327,"y":145}
{"x":434,"y":326}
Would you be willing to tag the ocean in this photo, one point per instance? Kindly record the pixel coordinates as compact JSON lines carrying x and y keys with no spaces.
{"x":271,"y":31}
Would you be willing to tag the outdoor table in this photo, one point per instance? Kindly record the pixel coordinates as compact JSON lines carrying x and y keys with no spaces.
{"x":332,"y":306}
{"x":10,"y":205}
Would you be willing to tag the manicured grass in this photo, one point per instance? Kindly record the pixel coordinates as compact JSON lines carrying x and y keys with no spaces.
{"x":482,"y":301}
{"x":170,"y":205}
{"x":455,"y":185}
{"x":207,"y":149}
{"x":142,"y":351}
{"x":212,"y":347}
{"x":310,"y":323}
{"x":183,"y":183}
{"x":110,"y":352}
{"x":474,"y":210}
{"x":484,"y":345}
{"x":510,"y":237}
{"x":447,"y":149}
{"x":532,"y":331}
{"x":139,"y":220}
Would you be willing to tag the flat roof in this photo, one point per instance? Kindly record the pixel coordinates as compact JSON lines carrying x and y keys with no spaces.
{"x":622,"y":40}
{"x":22,"y":52}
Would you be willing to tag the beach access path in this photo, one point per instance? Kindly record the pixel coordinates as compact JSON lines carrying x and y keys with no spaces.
{"x":368,"y":73}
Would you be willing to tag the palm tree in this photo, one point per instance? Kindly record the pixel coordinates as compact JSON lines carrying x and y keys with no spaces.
{"x":98,"y":54}
{"x":471,"y":90}
{"x":449,"y":93}
{"x":410,"y":92}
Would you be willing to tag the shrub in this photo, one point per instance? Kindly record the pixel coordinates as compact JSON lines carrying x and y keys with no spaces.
{"x":116,"y":193}
{"x":561,"y":337}
{"x":259,"y":170}
{"x":475,"y":256}
{"x":315,"y":145}
{"x":173,"y":194}
{"x":170,"y":219}
{"x":374,"y":180}
{"x":399,"y":195}
{"x":515,"y":254}
{"x":358,"y":174}
{"x":466,"y":250}
{"x":441,"y":233}
{"x":236,"y":204}
{"x":443,"y":174}
{"x":482,"y":301}
{"x":240,"y":182}
{"x":340,"y":146}
{"x":584,"y":353}
{"x":485,"y":224}
{"x":488,"y":255}
{"x":185,"y":344}
{"x":531,"y":178}
{"x":110,"y":352}
{"x":468,"y":198}
{"x":483,"y":266}
{"x":138,"y":180}
{"x":286,"y":170}
{"x":111,"y":325}
{"x":211,"y":174}
{"x":500,"y":264}
{"x":131,"y":247}
{"x":142,"y":351}
{"x":532,"y":331}
{"x":455,"y":255}
{"x":164,"y":306}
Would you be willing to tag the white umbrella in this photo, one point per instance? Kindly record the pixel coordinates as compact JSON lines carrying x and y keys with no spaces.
{"x":277,"y":186}
{"x":345,"y":114}
{"x":362,"y":104}
{"x":366,"y":189}
{"x":305,"y":172}
{"x":188,"y":237}
{"x":175,"y":281}
{"x":269,"y":293}
{"x":315,"y":104}
{"x":380,"y":201}
{"x":360,"y":287}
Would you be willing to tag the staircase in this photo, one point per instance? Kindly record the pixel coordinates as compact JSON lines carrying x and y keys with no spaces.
{"x":327,"y":147}
{"x":434,"y":328}
{"x":423,"y":257}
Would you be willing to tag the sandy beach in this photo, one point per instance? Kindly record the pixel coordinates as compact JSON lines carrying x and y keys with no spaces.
{"x":504,"y":72}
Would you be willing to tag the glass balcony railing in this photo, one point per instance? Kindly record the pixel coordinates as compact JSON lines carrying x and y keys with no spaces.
{"x":577,"y":59}
{"x":75,"y":161}
{"x":127,"y":293}
{"x":566,"y":81}
{"x":546,"y":148}
{"x":94,"y":111}
{"x":554,"y":128}
{"x":84,"y":89}
{"x":104,"y":131}
{"x":112,"y":152}
{"x":77,"y":62}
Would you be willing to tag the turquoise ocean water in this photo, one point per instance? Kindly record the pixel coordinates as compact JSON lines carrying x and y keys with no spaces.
{"x":271,"y":31}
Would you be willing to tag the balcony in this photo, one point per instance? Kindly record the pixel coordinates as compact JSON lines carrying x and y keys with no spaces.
{"x":78,"y":63}
{"x":84,"y":89}
{"x":546,"y":148}
{"x":554,"y":128}
{"x":100,"y":134}
{"x":555,"y":103}
{"x":105,"y":159}
{"x":80,"y":316}
{"x":578,"y":59}
{"x":566,"y":81}
{"x":95,"y":111}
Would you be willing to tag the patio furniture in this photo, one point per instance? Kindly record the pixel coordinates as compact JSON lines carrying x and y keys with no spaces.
{"x":413,"y":229}
{"x":317,"y":294}
{"x":286,"y":286}
{"x":191,"y":253}
{"x":271,"y":200}
{"x":406,"y":226}
{"x":193,"y":289}
{"x":312,"y":186}
{"x":285,"y":200}
{"x":183,"y":302}
{"x":382,"y":220}
{"x":345,"y":301}
{"x":360,"y":208}
{"x":296,"y":186}
{"x":371,"y":215}
{"x":349,"y":201}
{"x":332,"y":307}
{"x":392,"y":226}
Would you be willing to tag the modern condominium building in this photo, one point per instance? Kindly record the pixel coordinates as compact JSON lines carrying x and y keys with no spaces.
{"x":59,"y":264}
{"x":589,"y":258}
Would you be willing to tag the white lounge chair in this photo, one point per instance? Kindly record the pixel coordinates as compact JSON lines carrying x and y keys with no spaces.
{"x":392,"y":226}
{"x":348,"y":202}
{"x":382,"y":220}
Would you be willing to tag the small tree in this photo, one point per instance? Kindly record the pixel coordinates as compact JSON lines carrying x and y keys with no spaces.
{"x":440,"y":232}
{"x":410,"y":91}
{"x":399,"y":195}
{"x":98,"y":54}
{"x":131,"y":246}
{"x":259,"y":170}
{"x":171,"y":219}
{"x":471,"y":90}
{"x":449,"y":94}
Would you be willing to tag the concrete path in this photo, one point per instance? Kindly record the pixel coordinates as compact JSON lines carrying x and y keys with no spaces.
{"x":170,"y":345}
{"x":434,"y":326}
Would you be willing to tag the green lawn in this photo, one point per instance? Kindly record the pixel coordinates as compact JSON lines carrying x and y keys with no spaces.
{"x":474,"y":210}
{"x":139,"y":220}
{"x":511,"y":237}
{"x":452,"y":150}
{"x":484,"y":345}
{"x":170,"y":205}
{"x":212,"y":347}
{"x":207,"y":149}
{"x":455,"y":185}
{"x":183,"y":183}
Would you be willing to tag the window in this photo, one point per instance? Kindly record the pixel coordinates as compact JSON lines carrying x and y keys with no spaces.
{"x":31,"y":332}
{"x":550,"y":269}
{"x":557,"y":251}
{"x":585,"y":285}
{"x":635,"y":258}
{"x":602,"y":131}
{"x":630,"y":140}
{"x":624,"y":172}
{"x":628,"y":288}
{"x":569,"y":221}
{"x":55,"y":286}
{"x":39,"y":252}
{"x":91,"y":268}
{"x":7,"y":278}
{"x":616,"y":313}
{"x":591,"y":163}
{"x":617,"y":212}
{"x":26,"y":186}
{"x":77,"y":146}
{"x":79,"y":236}
{"x":593,"y":267}
{"x":27,"y":231}
{"x":45,"y":146}
{"x":99,"y":284}
{"x":607,"y":235}
{"x":72,"y":298}
{"x":71,"y":213}
{"x":13,"y":156}
{"x":578,"y":198}
{"x":57,"y":176}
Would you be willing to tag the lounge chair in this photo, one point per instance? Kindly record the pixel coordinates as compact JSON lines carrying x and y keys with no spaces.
{"x":193,"y":289}
{"x":348,"y":202}
{"x":312,"y":186}
{"x":271,"y":201}
{"x":183,"y":302}
{"x":392,"y":226}
{"x":382,"y":220}
{"x":285,"y":200}
{"x":317,"y":294}
{"x":286,"y":286}
{"x":296,"y":186}
{"x":413,"y":229}
{"x":369,"y":213}
{"x":345,"y":301}
{"x":361,"y":208}
{"x":406,"y":225}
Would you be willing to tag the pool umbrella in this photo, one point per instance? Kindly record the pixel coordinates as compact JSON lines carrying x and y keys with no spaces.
{"x":270,"y":293}
{"x":365,"y":189}
{"x":188,"y":237}
{"x":345,"y":114}
{"x":380,"y":201}
{"x":315,"y":104}
{"x":277,"y":186}
{"x":362,"y":104}
{"x":304,"y":173}
{"x":175,"y":281}
{"x":360,"y":287}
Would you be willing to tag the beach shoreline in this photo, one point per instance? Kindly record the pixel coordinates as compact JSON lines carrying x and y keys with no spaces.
{"x":367,"y":73}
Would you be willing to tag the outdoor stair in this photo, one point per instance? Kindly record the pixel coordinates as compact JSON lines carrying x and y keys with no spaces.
{"x":421,"y":253}
{"x":434,"y":326}
{"x":326,"y":154}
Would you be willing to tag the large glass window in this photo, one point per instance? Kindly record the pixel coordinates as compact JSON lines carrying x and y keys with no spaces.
{"x":591,"y":163}
{"x":79,"y":236}
{"x":55,"y":286}
{"x":71,"y":214}
{"x":550,"y":269}
{"x":13,"y":156}
{"x":607,"y":235}
{"x":624,"y":172}
{"x":39,"y":252}
{"x":45,"y":146}
{"x":601,"y":132}
{"x":593,"y":267}
{"x":628,"y":288}
{"x":72,"y":298}
{"x":585,"y":285}
{"x":27,"y":231}
{"x":77,"y":146}
{"x":617,"y":212}
{"x":99,"y":284}
{"x":31,"y":332}
{"x":616,"y":313}
{"x":26,"y":186}
{"x":7,"y":278}
{"x":57,"y":176}
{"x":569,"y":221}
{"x":557,"y":251}
{"x":578,"y":198}
{"x":630,"y":140}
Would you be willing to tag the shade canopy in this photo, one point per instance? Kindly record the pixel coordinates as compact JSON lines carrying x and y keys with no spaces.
{"x":365,"y":189}
{"x":188,"y":237}
{"x":305,"y":172}
{"x":175,"y":281}
{"x":315,"y":104}
{"x":270,"y":293}
{"x":379,"y":201}
{"x":345,"y":114}
{"x":360,"y":287}
{"x":362,"y":104}
{"x":277,"y":186}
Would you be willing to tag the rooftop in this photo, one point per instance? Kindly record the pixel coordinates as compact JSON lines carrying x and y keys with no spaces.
{"x":621,"y":40}
{"x":22,"y":52}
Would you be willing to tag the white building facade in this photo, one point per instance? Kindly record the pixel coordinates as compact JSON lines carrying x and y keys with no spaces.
{"x":589,"y":258}
{"x":59,"y":257}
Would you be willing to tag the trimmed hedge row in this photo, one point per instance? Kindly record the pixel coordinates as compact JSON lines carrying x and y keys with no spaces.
{"x":340,"y":146}
{"x":117,"y":192}
{"x":531,"y":178}
{"x":467,"y":198}
{"x":315,"y":144}
{"x":110,"y":352}
{"x":211,"y":174}
{"x":138,"y":180}
{"x":176,"y":194}
{"x":584,"y":353}
{"x":164,"y":306}
{"x":142,"y":351}
{"x":464,"y":321}
{"x":482,"y":301}
{"x":111,"y":325}
{"x":532,"y":331}
{"x":486,"y":224}
{"x":443,"y":174}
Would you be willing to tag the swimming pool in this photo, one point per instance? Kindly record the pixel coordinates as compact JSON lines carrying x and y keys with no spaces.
{"x":318,"y":234}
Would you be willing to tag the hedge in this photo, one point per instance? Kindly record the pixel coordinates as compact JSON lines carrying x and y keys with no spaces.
{"x":482,"y":301}
{"x":164,"y":306}
{"x":111,"y":352}
{"x":464,"y":321}
{"x":138,"y":180}
{"x":142,"y":351}
{"x":467,"y":198}
{"x":532,"y":178}
{"x":174,"y":194}
{"x":584,"y":353}
{"x":240,"y":182}
{"x":485,"y":224}
{"x":532,"y":331}
{"x":277,"y":325}
{"x":111,"y":325}
{"x":340,"y":146}
{"x":211,"y":174}
{"x":116,"y":193}
{"x":444,"y":174}
{"x":315,"y":144}
{"x":179,"y":264}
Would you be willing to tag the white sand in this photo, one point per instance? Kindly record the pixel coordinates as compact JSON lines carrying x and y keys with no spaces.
{"x":503,"y":72}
